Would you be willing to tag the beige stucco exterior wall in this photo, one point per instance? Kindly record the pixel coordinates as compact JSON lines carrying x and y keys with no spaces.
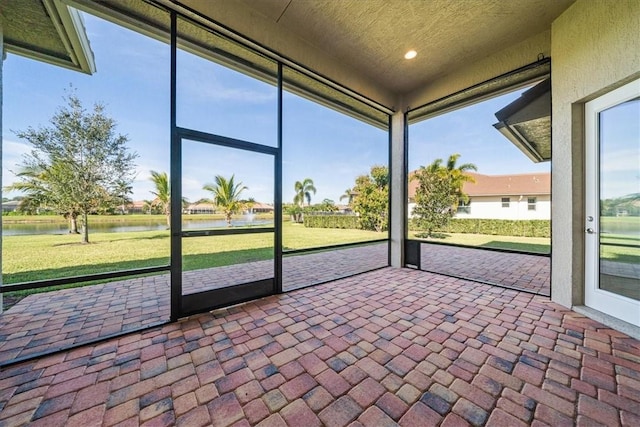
{"x":595,"y":47}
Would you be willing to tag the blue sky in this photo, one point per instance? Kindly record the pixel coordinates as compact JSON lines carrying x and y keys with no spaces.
{"x":132,"y":80}
{"x":469,"y":132}
{"x":620,"y":150}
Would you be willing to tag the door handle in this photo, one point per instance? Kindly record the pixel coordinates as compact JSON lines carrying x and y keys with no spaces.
{"x":590,"y":231}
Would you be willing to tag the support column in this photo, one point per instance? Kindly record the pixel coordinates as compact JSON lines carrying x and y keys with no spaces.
{"x":2,"y":56}
{"x":398,"y":185}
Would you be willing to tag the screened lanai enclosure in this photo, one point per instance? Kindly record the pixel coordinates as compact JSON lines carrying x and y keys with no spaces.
{"x":211,"y":107}
{"x":257,"y":169}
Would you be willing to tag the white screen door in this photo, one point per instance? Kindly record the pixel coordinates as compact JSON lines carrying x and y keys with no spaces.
{"x":612,"y":223}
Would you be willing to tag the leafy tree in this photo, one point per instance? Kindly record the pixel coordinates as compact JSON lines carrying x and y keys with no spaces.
{"x":327,"y":205}
{"x":303,"y":191}
{"x":226,"y":195}
{"x":123,"y":189}
{"x":439,"y":192}
{"x":433,"y":200}
{"x":77,"y":164}
{"x":371,"y":199}
{"x":456,"y":176}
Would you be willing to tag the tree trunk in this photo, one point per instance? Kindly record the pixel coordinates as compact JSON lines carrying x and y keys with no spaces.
{"x":85,"y":228}
{"x":73,"y":223}
{"x":228,"y":219}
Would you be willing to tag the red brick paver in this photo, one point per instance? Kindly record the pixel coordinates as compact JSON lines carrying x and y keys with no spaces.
{"x":531,"y":273}
{"x":520,"y":360}
{"x":51,"y":321}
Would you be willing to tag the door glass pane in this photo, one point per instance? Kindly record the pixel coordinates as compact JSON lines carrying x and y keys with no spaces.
{"x":620,"y":199}
{"x":225,"y":190}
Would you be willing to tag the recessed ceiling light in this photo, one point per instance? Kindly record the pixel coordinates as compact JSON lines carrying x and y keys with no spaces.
{"x":411,"y":54}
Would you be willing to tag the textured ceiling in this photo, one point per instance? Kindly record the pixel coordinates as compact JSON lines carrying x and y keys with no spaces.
{"x":371,"y":37}
{"x":46,"y":30}
{"x":28,"y":25}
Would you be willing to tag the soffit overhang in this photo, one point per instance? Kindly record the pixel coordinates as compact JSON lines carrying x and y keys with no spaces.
{"x":47,"y":30}
{"x":361,"y":44}
{"x":526,"y":122}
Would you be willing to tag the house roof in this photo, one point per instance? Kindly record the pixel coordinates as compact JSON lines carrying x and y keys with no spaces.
{"x":200,"y":206}
{"x":47,"y":30}
{"x":526,"y":184}
{"x":262,"y":206}
{"x":526,"y":122}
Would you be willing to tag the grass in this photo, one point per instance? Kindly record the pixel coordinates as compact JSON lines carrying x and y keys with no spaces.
{"x":39,"y":257}
{"x":626,"y":254}
{"x":142,"y":218}
{"x":540,"y":245}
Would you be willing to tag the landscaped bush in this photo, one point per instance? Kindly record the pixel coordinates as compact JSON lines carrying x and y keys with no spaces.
{"x":331,"y":221}
{"x":496,"y":227}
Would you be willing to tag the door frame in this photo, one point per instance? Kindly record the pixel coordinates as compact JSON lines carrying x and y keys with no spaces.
{"x":215,"y":298}
{"x":610,"y":303}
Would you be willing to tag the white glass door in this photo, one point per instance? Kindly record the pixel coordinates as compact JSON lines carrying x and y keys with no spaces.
{"x":612,"y":217}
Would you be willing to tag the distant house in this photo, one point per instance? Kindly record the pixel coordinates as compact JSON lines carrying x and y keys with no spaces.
{"x":199,"y":208}
{"x":10,"y":206}
{"x":137,"y":206}
{"x":344,"y":209}
{"x":521,"y":196}
{"x":262,"y":208}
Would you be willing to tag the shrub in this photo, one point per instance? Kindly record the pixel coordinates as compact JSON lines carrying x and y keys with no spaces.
{"x":331,"y":221}
{"x":500,"y":227}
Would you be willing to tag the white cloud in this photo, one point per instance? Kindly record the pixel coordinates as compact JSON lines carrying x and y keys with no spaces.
{"x":14,"y":150}
{"x":212,"y":82}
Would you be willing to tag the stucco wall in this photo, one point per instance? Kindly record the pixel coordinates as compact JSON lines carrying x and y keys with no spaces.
{"x":490,"y":207}
{"x":594,"y":48}
{"x":501,"y":62}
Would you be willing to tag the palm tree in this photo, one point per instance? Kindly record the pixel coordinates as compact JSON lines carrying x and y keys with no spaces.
{"x":122,"y":190}
{"x":147,"y":206}
{"x":456,"y":175}
{"x":42,"y":191}
{"x":303,"y":192}
{"x":348,"y":194}
{"x":163,"y":194}
{"x":226,"y":194}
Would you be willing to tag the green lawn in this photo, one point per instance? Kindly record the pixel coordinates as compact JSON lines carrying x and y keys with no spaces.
{"x":527,"y":244}
{"x":630,"y":253}
{"x":38,"y":257}
{"x":58,"y":219}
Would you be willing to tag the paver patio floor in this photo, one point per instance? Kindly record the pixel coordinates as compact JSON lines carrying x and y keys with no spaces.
{"x":526,"y":272}
{"x":392,"y":346}
{"x":52,"y":321}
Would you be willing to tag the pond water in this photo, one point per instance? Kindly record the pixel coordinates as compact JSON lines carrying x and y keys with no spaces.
{"x":122,"y":226}
{"x":628,"y":227}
